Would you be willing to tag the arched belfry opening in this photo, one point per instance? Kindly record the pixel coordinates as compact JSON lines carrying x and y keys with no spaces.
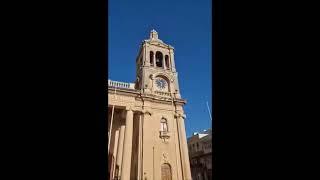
{"x":151,"y":58}
{"x":159,"y":59}
{"x":166,"y":59}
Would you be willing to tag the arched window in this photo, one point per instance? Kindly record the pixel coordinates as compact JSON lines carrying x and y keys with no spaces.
{"x":166,"y":58}
{"x":151,"y":58}
{"x":163,"y":125}
{"x":159,"y":59}
{"x":166,"y":172}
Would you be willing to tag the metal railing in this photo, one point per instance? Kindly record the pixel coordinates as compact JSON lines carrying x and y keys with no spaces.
{"x":164,"y":134}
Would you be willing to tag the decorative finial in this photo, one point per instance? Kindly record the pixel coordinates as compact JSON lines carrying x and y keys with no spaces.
{"x":153,"y":34}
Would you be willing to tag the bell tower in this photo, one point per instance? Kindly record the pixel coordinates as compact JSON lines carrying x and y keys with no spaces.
{"x":156,"y":72}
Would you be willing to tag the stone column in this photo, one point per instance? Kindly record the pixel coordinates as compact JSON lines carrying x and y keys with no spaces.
{"x":147,"y":172}
{"x":154,"y":59}
{"x":127,"y":146}
{"x":146,"y":55}
{"x":179,"y":157}
{"x":184,"y":148}
{"x":173,"y":66}
{"x":115,"y":149}
{"x":169,"y":63}
{"x":120,"y":147}
{"x":140,"y":148}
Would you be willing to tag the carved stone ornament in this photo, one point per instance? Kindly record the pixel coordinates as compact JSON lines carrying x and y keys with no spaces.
{"x":146,"y":112}
{"x":129,"y":108}
{"x":177,"y":115}
{"x":165,"y":156}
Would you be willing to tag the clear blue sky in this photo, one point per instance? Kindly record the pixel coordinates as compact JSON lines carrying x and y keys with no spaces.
{"x":186,"y":25}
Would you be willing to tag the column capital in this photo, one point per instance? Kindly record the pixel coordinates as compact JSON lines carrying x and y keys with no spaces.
{"x":129,"y":108}
{"x":176,"y":115}
{"x":182,"y":115}
{"x":146,"y":112}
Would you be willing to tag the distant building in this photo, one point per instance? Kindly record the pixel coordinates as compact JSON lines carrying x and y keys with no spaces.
{"x":200,"y":154}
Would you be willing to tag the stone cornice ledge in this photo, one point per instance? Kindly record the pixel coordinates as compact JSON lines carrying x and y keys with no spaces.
{"x":163,"y":98}
{"x":150,"y":97}
{"x":111,"y":90}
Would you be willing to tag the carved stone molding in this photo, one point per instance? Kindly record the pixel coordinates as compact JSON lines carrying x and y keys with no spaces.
{"x":178,"y":115}
{"x":167,"y":76}
{"x":146,"y":112}
{"x":165,"y":156}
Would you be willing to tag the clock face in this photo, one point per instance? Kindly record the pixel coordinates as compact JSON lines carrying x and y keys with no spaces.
{"x":161,"y":84}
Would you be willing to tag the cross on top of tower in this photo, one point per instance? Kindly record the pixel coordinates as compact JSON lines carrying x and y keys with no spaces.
{"x":153,"y":34}
{"x":154,"y":39}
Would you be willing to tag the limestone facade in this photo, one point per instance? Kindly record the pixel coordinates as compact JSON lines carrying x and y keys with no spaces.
{"x":146,"y":130}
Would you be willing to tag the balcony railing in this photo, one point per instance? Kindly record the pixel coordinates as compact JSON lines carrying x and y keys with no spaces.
{"x":164,"y":134}
{"x":122,"y":85}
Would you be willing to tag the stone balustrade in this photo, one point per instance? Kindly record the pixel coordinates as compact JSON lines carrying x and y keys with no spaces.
{"x":122,"y":85}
